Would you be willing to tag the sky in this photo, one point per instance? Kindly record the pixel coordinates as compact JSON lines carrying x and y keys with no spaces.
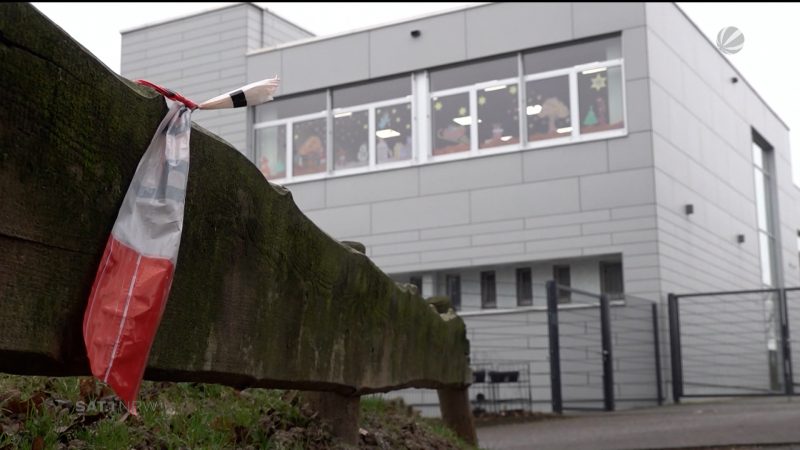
{"x":766,"y":59}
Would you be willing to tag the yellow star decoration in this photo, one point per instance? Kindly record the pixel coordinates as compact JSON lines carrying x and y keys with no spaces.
{"x":462,"y":111}
{"x":481,"y":100}
{"x":513,"y":89}
{"x":408,"y":126}
{"x":437,"y":106}
{"x":598,"y":82}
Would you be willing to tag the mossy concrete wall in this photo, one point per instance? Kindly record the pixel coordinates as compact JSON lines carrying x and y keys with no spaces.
{"x":261,"y":296}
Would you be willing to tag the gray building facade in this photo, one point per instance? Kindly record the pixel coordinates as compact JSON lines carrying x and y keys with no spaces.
{"x":480,"y":152}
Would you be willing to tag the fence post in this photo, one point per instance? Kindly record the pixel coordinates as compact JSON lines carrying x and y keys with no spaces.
{"x":788,"y":376}
{"x":657,"y":348}
{"x":608,"y":360}
{"x":675,"y":347}
{"x":555,"y":354}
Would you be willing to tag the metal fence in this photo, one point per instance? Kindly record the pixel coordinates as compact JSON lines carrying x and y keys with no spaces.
{"x":580,"y":351}
{"x":732,"y":343}
{"x":603,"y":352}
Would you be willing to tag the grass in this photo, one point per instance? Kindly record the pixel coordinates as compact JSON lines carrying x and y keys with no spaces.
{"x":80,"y":413}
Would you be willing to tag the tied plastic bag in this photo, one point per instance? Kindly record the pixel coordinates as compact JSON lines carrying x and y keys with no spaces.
{"x":136,"y":270}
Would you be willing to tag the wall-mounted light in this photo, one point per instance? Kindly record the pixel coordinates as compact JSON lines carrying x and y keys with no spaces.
{"x":689,"y":209}
{"x":740,"y":238}
{"x":416,"y":33}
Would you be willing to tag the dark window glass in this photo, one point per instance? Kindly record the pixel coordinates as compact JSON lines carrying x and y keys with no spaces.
{"x":350,"y":140}
{"x":488,"y":290}
{"x":374,"y":91}
{"x":297,"y":105}
{"x":573,"y":54}
{"x":611,"y":277}
{"x":309,"y":151}
{"x":471,"y":73}
{"x":393,"y":138}
{"x":453,"y":283}
{"x":562,"y":277}
{"x":524,"y":287}
{"x":416,"y":281}
{"x":600,"y":99}
{"x":271,"y":151}
{"x":498,"y":115}
{"x":451,"y":124}
{"x":547,"y":108}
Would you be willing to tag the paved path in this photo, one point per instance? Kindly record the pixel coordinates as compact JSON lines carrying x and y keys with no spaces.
{"x":742,"y":422}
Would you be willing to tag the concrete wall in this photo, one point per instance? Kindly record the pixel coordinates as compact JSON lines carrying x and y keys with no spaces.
{"x":203,"y":55}
{"x":446,"y":38}
{"x":702,"y":150}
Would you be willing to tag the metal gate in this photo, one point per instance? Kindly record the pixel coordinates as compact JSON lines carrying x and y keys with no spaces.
{"x":733,"y":343}
{"x":602,"y":351}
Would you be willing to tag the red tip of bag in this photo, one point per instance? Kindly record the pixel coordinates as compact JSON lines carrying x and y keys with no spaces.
{"x":169,"y":94}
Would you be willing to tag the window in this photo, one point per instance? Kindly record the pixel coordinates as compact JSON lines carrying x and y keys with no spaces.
{"x":372,"y":123}
{"x":611,"y":282}
{"x":762,"y":171}
{"x":562,"y":277}
{"x":350,"y":140}
{"x":524,"y":287}
{"x":498,"y":115}
{"x":465,"y":74}
{"x":292,"y":106}
{"x":453,"y":283}
{"x":573,"y":54}
{"x":271,"y":151}
{"x":576,"y":85}
{"x":482,"y":95}
{"x":303,"y":118}
{"x":309,"y":143}
{"x":372,"y":91}
{"x":488,"y":290}
{"x":452,"y":124}
{"x":393,"y":138}
{"x":600,"y":99}
{"x":548,"y":108}
{"x":417,"y":281}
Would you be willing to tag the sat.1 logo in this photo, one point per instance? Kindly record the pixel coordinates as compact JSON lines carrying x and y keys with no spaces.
{"x":730,"y":40}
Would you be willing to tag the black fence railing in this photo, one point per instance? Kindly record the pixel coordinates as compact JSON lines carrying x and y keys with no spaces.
{"x":602,"y":351}
{"x":732,"y":343}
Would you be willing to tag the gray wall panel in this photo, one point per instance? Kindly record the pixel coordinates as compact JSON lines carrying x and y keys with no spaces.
{"x":525,"y":25}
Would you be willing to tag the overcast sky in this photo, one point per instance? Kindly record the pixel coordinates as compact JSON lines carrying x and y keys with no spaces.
{"x":767,"y":60}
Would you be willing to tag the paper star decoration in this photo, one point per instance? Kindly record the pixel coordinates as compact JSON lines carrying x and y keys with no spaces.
{"x":598,"y":82}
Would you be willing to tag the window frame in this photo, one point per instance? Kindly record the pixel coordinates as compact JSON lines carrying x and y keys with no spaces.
{"x":522,"y":301}
{"x":456,"y":305}
{"x":289,"y":122}
{"x":563,"y":296}
{"x":604,"y":280}
{"x":488,"y":290}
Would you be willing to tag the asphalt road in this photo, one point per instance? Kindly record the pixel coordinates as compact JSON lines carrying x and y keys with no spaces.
{"x":743,"y":423}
